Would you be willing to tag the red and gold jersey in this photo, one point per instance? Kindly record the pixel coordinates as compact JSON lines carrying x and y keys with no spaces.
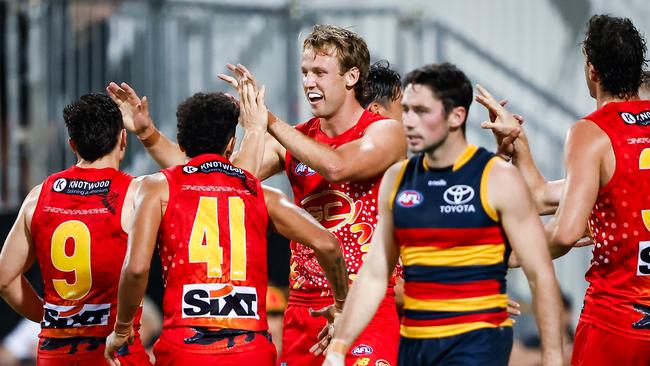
{"x":212,"y":244}
{"x":80,"y":246}
{"x":348,"y":210}
{"x":618,"y":297}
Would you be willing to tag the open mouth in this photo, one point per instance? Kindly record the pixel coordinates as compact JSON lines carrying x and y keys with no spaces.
{"x":314,"y":97}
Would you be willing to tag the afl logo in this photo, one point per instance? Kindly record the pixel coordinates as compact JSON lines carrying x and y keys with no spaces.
{"x":362,"y":350}
{"x":458,"y":194}
{"x":188,"y":169}
{"x":303,"y":170}
{"x":60,"y":184}
{"x":409,"y":198}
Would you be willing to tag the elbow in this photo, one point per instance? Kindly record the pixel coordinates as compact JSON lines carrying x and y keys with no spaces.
{"x":336,"y":173}
{"x":137,"y":272}
{"x":328,"y":248}
{"x":564,"y":238}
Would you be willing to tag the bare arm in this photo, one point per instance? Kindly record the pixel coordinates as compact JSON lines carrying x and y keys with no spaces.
{"x":586,"y":145}
{"x":526,"y":235}
{"x":16,"y":257}
{"x":370,"y":285}
{"x":149,"y":200}
{"x":297,"y":225}
{"x":382,"y":145}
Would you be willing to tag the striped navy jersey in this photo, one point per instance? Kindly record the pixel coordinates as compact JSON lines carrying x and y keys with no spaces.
{"x":452,"y":246}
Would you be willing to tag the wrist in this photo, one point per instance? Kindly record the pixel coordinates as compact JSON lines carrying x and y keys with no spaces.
{"x":272,"y":118}
{"x":123,"y":329}
{"x":149,"y":137}
{"x":338,"y":346}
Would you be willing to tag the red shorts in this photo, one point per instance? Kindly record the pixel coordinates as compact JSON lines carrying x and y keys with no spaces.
{"x":259,"y":352}
{"x":377,"y":344}
{"x":598,"y":347}
{"x":61,"y":357}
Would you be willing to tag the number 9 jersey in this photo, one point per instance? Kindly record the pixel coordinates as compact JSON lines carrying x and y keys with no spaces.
{"x":212,"y":243}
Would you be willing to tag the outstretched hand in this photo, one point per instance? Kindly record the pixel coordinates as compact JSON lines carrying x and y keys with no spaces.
{"x":325,"y":336}
{"x":135,"y":111}
{"x":505,"y":126}
{"x":253,"y":111}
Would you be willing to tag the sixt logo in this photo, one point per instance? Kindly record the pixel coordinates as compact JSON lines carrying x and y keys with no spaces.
{"x":219,"y":300}
{"x":457,"y":198}
{"x":409,"y":198}
{"x":303,"y":170}
{"x":362,"y":350}
{"x":642,"y":118}
{"x":56,"y":316}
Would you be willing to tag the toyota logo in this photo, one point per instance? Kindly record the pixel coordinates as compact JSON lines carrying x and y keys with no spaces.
{"x":458,"y":194}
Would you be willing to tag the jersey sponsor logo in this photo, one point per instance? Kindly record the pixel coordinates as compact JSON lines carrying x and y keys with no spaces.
{"x":437,"y":183}
{"x":188,"y":169}
{"x":409,"y":198}
{"x":643,"y":268}
{"x":86,"y":315}
{"x":362,"y":350}
{"x":215,"y":166}
{"x":642,"y":118}
{"x":217,"y":300}
{"x":303,"y":170}
{"x":81,"y":187}
{"x":363,"y":361}
{"x":457,"y":197}
{"x":333,"y":209}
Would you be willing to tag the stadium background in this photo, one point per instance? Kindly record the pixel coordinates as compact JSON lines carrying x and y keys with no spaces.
{"x":53,"y":51}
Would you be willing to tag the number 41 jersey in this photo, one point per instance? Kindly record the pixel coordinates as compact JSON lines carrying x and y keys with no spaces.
{"x":212,"y":244}
{"x":80,"y":245}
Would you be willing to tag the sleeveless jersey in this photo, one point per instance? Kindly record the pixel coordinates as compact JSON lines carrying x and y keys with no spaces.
{"x":212,"y":244}
{"x":80,"y":245}
{"x":618,"y":297}
{"x":348,"y":210}
{"x":453,"y":249}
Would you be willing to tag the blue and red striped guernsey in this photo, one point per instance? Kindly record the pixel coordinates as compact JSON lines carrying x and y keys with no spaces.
{"x":452,"y":246}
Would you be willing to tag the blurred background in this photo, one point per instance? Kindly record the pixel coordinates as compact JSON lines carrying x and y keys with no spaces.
{"x":53,"y":51}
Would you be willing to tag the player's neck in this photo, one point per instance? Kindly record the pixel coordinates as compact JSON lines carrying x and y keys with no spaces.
{"x":110,"y":160}
{"x":448,"y":152}
{"x":603,"y":97}
{"x":344,"y":118}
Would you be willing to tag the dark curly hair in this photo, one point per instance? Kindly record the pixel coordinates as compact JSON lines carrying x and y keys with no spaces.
{"x":206,"y":122}
{"x":617,"y":51}
{"x":383,"y":85}
{"x":447,"y":82}
{"x":94,"y":123}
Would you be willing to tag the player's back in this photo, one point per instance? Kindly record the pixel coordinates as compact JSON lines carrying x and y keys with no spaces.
{"x":80,"y":246}
{"x":618,"y":297}
{"x":212,"y":243}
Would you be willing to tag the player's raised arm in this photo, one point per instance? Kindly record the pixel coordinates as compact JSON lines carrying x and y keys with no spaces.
{"x":586,"y":145}
{"x":150,"y":201}
{"x":16,"y":257}
{"x":513,"y":142}
{"x":526,"y":236}
{"x":369,"y":288}
{"x":296,"y":224}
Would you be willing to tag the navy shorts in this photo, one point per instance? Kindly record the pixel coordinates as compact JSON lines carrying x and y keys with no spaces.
{"x":482,"y":347}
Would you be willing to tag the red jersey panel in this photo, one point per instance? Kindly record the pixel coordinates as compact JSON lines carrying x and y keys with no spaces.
{"x":212,"y":243}
{"x":618,"y":298}
{"x":348,"y":210}
{"x":80,"y":246}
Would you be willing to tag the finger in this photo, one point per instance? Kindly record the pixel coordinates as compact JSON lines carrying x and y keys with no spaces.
{"x":250,"y":93}
{"x":503,"y":102}
{"x":248,"y":74}
{"x":260,"y":95}
{"x":144,"y":105}
{"x":490,"y":104}
{"x":484,"y":92}
{"x":132,"y":95}
{"x":519,"y":118}
{"x":229,"y":79}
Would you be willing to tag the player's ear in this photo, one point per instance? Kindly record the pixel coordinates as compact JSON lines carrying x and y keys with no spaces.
{"x":230,"y":147}
{"x":592,"y":73}
{"x":374,"y":107}
{"x":457,"y":117}
{"x":352,"y":77}
{"x":73,"y":145}
{"x":123,"y":140}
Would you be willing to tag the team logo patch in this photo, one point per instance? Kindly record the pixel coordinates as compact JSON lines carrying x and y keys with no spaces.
{"x":219,"y":300}
{"x":409,"y":198}
{"x":303,"y":170}
{"x":81,"y":187}
{"x":458,"y":194}
{"x":643,"y":268}
{"x":362,"y":350}
{"x":382,"y":362}
{"x":86,"y":315}
{"x":642,"y":118}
